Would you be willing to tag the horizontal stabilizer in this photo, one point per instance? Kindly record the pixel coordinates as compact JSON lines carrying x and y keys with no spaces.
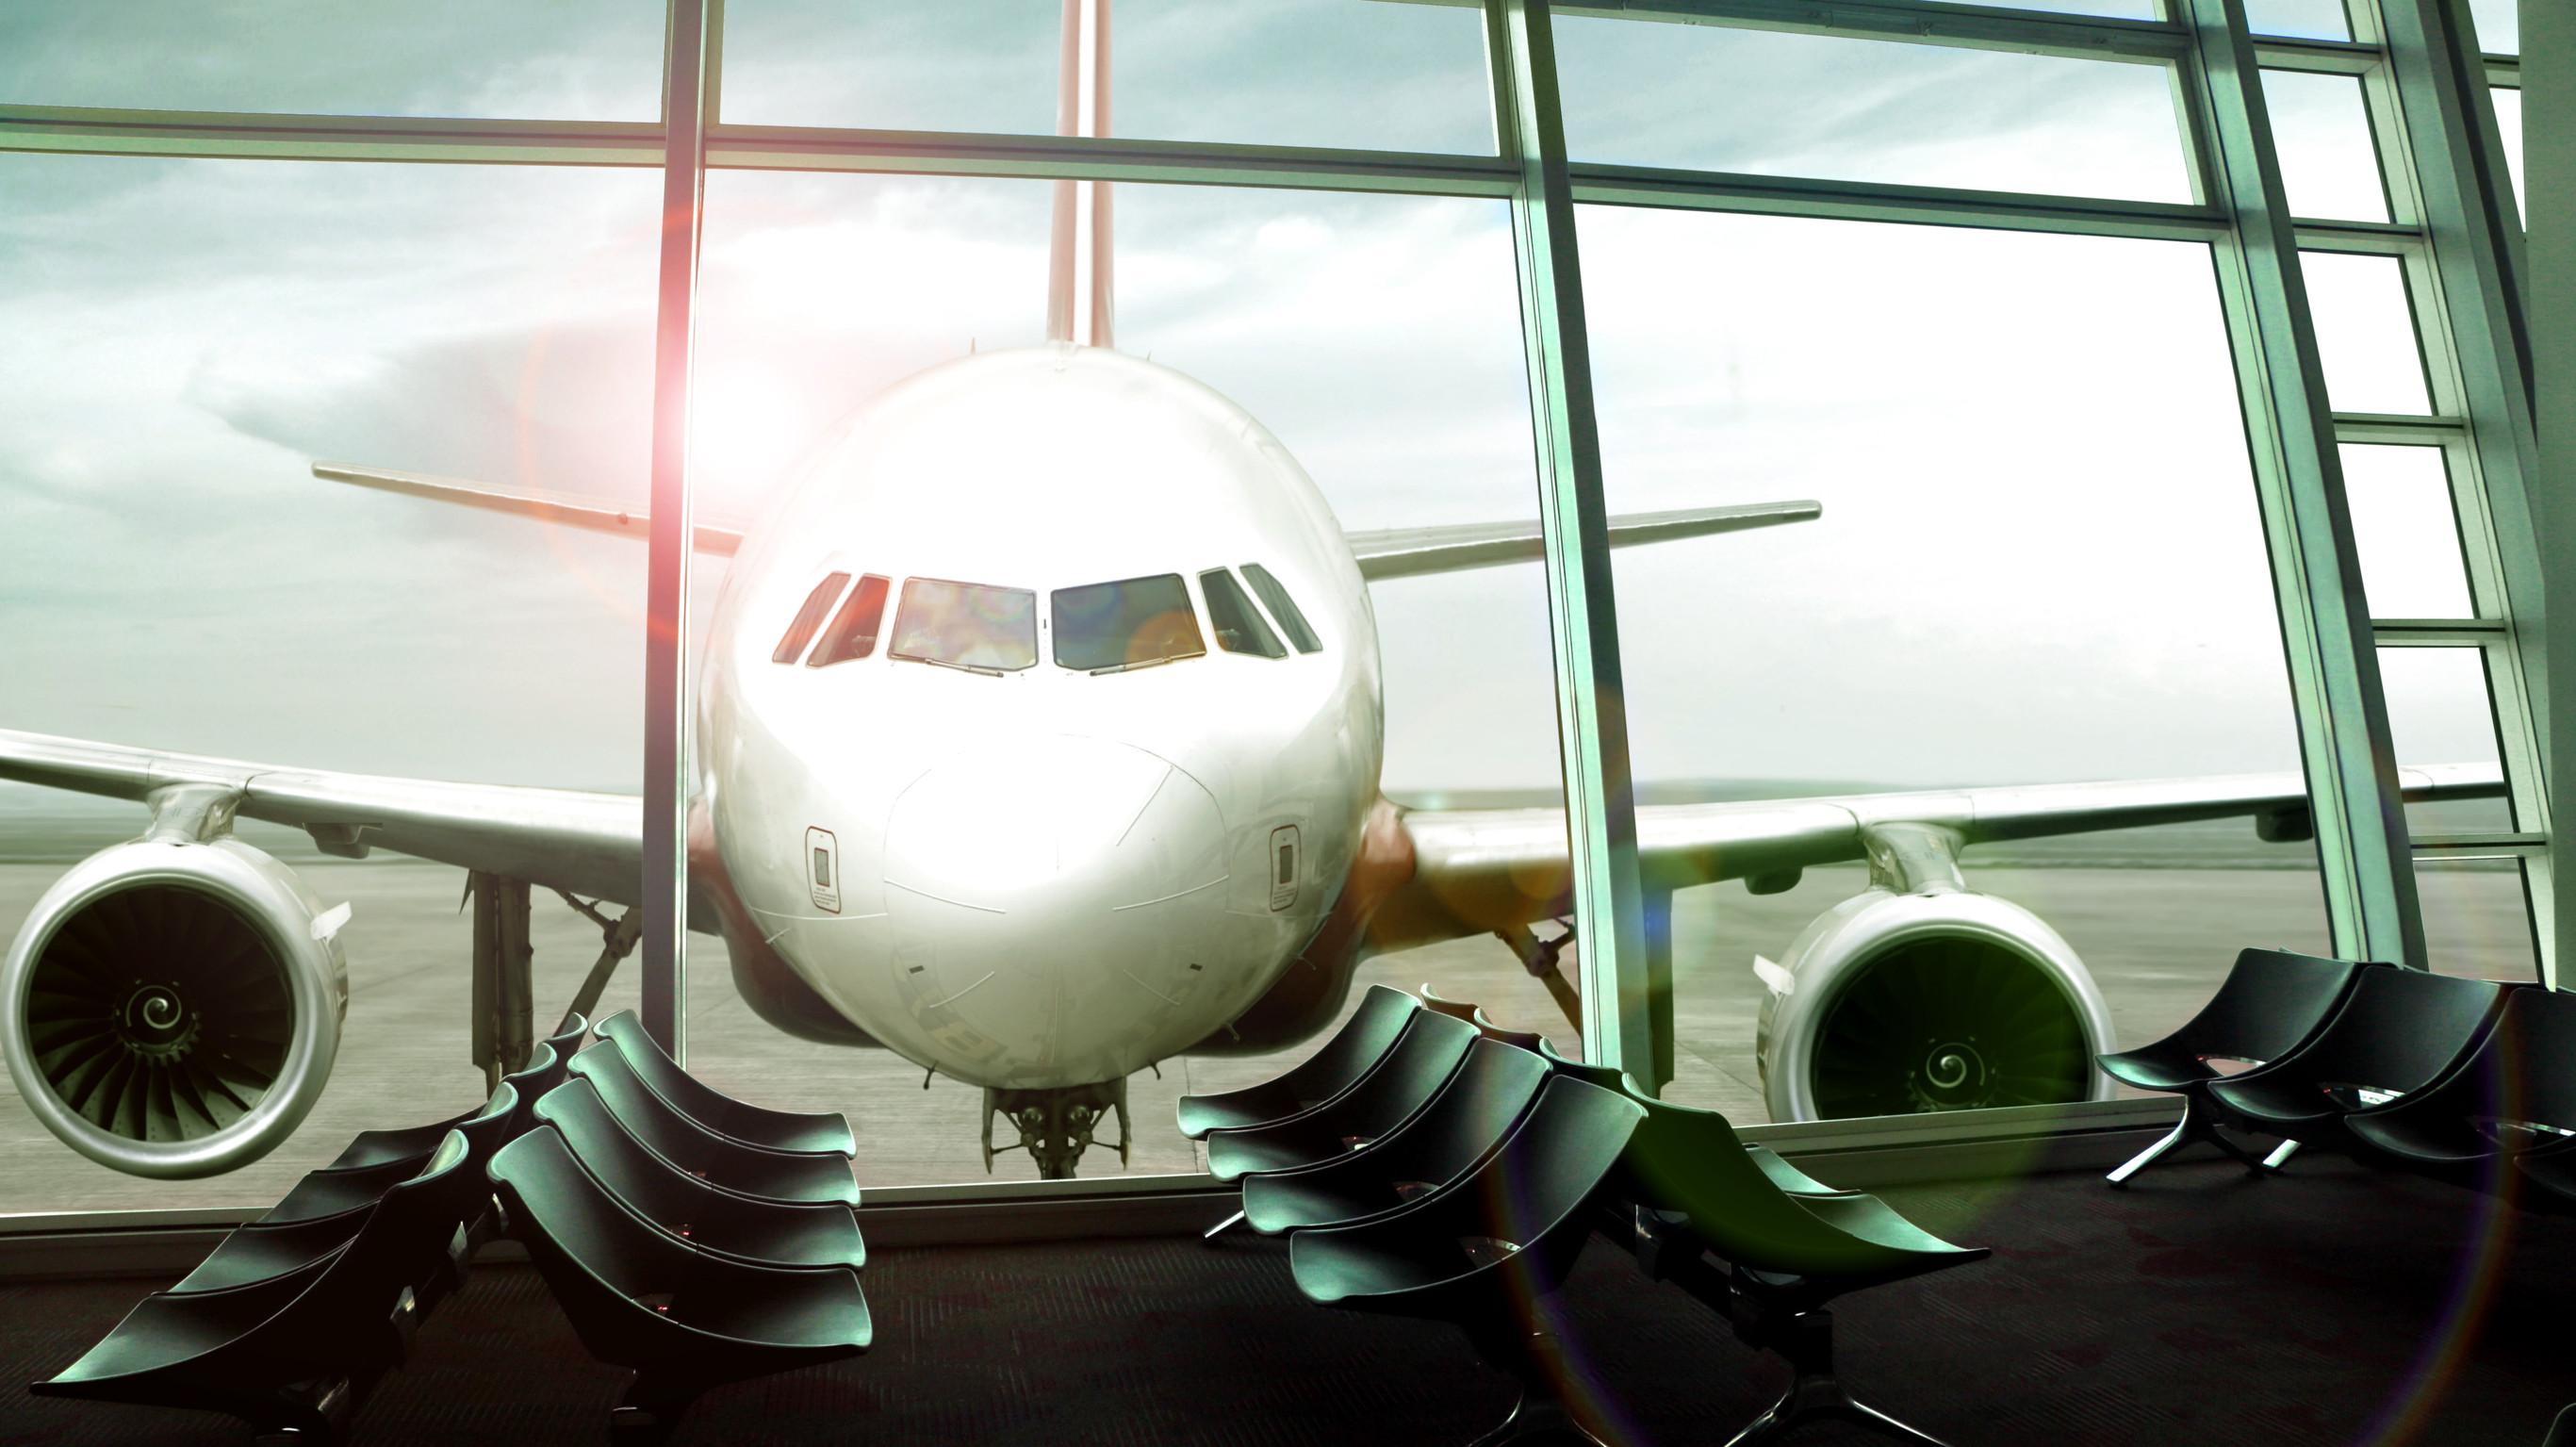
{"x":714,"y":534}
{"x":1407,"y":552}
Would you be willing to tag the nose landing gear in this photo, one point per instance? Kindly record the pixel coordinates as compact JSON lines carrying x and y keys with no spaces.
{"x":1055,"y":1122}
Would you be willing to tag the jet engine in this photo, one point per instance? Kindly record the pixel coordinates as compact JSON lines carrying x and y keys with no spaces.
{"x":1929,"y":997}
{"x":172,"y":1008}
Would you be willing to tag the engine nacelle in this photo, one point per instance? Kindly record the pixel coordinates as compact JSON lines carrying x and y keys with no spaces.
{"x":172,"y":1009}
{"x":1928,"y":1001}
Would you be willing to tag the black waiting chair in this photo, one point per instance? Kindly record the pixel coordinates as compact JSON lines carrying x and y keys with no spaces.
{"x":765,"y":1233}
{"x":691,"y":1149}
{"x":1688,"y":1188}
{"x":1773,"y":1165}
{"x":776,"y":1130}
{"x":1480,"y":1251}
{"x":1462,"y":1126}
{"x":1428,"y":1052}
{"x":683,"y":1319}
{"x":2271,"y":1002}
{"x":1335,"y":1066}
{"x":413,"y":1144}
{"x":2396,"y":1033}
{"x":2463,"y":1128}
{"x":293,"y":1353}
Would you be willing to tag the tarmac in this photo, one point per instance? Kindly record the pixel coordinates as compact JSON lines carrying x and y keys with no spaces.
{"x":2157,"y":940}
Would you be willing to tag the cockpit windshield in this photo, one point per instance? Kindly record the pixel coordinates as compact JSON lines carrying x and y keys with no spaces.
{"x":966,"y":625}
{"x":1134,"y":623}
{"x":1238,"y":624}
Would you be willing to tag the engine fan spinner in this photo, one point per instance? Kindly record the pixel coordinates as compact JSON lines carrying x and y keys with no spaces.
{"x":1899,"y":1003}
{"x":173,"y":1009}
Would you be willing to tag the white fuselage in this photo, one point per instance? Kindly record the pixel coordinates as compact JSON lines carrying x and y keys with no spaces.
{"x":1040,"y":875}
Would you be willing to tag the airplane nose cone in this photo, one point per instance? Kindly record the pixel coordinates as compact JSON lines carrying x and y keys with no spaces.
{"x":1047,"y":906}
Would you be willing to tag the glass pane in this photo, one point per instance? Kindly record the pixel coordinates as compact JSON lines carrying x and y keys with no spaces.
{"x":1717,"y":99}
{"x":179,"y":580}
{"x":2508,"y":114}
{"x":2315,"y":19}
{"x":966,"y":625}
{"x":1374,"y":342}
{"x":2477,"y":920}
{"x":1892,"y":645}
{"x":2365,"y":333}
{"x":2439,"y":713}
{"x":2322,"y":133}
{"x":2409,"y":541}
{"x":574,"y":60}
{"x":1108,"y":627}
{"x":2499,"y":25}
{"x":1235,"y":621}
{"x":1352,"y":73}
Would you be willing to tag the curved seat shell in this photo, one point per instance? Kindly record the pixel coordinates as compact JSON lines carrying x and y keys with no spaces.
{"x":685,"y":1208}
{"x":1424,"y":1056}
{"x":2270,"y":1003}
{"x":776,"y":1130}
{"x":691,"y":1149}
{"x":2398,"y":1031}
{"x":1460,"y":1127}
{"x":1335,"y":1066}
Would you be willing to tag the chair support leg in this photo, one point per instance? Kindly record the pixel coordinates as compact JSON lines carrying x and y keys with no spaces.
{"x":2280,"y":1155}
{"x":1536,"y":1360}
{"x":2196,"y":1124}
{"x":652,"y":1406}
{"x":1815,"y":1393}
{"x":1221,"y":1227}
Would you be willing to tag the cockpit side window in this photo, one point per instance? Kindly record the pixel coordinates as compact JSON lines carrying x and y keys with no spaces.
{"x":1106,"y":627}
{"x":809,"y":617}
{"x":1283,"y":608}
{"x":854,"y":633}
{"x":1237,"y":623}
{"x":966,"y":625}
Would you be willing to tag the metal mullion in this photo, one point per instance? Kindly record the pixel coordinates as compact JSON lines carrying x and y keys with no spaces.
{"x":2439,"y":147}
{"x":2359,"y":238}
{"x":1619,"y":1004}
{"x":2366,"y":872}
{"x":1597,"y":184}
{"x":83,"y":130}
{"x":665,"y":894}
{"x":1914,"y":22}
{"x":1087,"y":158}
{"x":2316,"y":57}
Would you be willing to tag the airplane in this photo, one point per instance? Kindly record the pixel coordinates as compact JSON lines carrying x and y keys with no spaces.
{"x":1037,"y":741}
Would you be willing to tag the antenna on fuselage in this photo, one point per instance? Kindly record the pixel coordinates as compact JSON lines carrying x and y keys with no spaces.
{"x":1070,"y":120}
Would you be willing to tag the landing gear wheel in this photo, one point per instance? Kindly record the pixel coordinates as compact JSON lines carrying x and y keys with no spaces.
{"x":1948,"y":1024}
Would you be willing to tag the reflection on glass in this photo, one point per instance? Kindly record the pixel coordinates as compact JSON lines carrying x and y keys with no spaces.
{"x":2439,"y":712}
{"x":2314,"y":19}
{"x":2477,"y":917}
{"x":2403,"y":526}
{"x":809,"y":616}
{"x":1107,"y":627}
{"x":966,"y":625}
{"x":2365,"y":333}
{"x":1867,"y":652}
{"x":2322,"y":132}
{"x":1238,"y":628}
{"x":1344,"y":73}
{"x":575,"y":60}
{"x":1282,"y":607}
{"x":854,"y":632}
{"x":1718,"y":99}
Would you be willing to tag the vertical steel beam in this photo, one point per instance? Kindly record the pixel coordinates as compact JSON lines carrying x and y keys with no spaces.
{"x":2446,"y":170}
{"x":2362,"y":849}
{"x":666,"y":589}
{"x":2549,"y":184}
{"x":1591,"y":700}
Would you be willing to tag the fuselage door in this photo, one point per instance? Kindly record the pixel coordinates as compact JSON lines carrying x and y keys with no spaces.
{"x":1284,"y":867}
{"x":823,"y":869}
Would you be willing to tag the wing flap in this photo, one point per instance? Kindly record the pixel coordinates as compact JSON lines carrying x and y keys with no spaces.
{"x":1410,"y":552}
{"x":713,"y":533}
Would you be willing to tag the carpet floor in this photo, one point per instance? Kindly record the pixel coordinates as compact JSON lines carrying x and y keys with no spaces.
{"x":2329,"y":1306}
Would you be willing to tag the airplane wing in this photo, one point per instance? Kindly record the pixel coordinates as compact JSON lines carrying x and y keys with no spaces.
{"x":1393,"y":553}
{"x":590,"y":844}
{"x":1485,"y":869}
{"x":715,"y":533}
{"x":1408,"y":552}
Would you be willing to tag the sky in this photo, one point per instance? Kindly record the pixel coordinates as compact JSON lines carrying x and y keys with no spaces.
{"x":2039,"y":560}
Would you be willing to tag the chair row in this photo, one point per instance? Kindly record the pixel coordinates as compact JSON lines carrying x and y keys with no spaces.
{"x":294,"y":1316}
{"x":2467,"y":1081}
{"x":1426,"y":1162}
{"x":688,"y":1236}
